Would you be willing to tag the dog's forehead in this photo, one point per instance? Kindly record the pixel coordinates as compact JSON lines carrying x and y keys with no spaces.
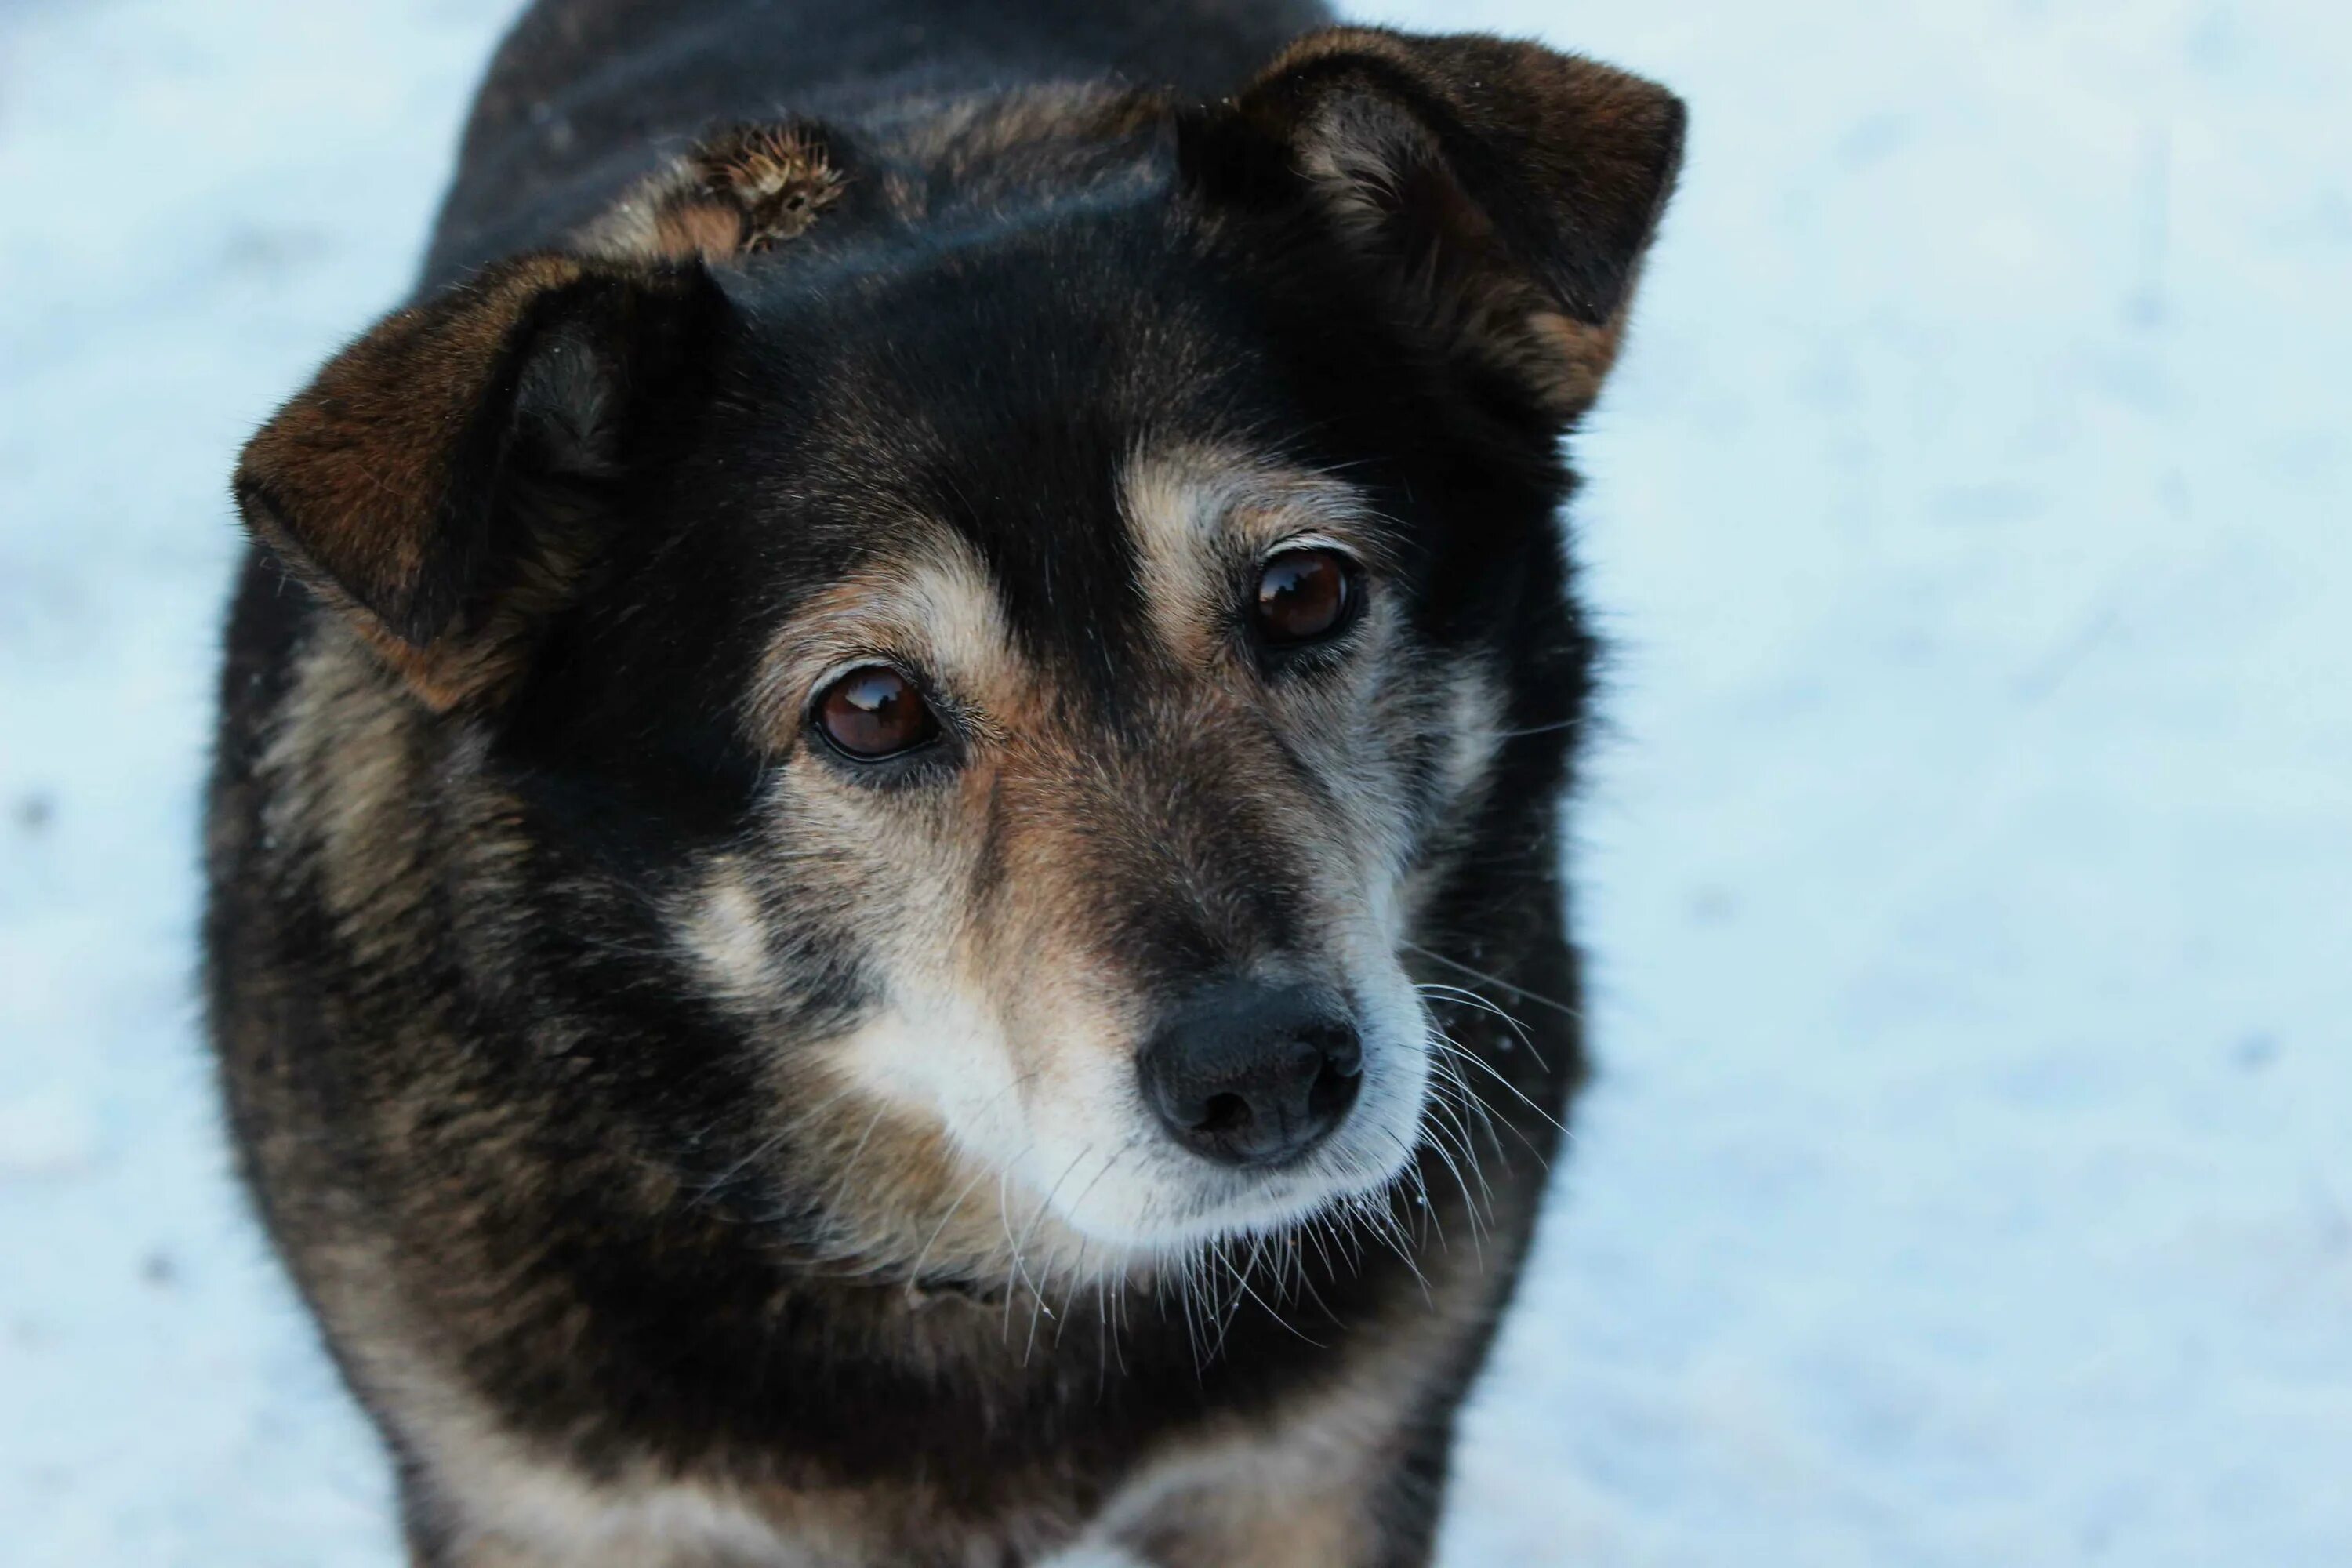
{"x":1132,"y":589}
{"x":1064,"y":421}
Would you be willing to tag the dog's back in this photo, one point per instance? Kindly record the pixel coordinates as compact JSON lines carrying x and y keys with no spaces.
{"x":585,"y":96}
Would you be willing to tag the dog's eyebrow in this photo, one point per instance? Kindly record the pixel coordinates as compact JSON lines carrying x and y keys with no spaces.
{"x":931,"y":603}
{"x":1197,"y":489}
{"x":1193,"y":510}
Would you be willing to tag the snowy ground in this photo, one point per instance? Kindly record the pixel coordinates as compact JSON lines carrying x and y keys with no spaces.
{"x":1970,"y":880}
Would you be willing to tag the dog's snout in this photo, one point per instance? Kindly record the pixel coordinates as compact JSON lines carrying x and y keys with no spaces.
{"x":1247,"y":1073}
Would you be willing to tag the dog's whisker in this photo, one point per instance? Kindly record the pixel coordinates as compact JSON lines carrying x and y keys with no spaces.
{"x":1515,"y":989}
{"x":915,"y":1273}
{"x":1469,"y":998}
{"x":1473,"y":1059}
{"x":1037,"y":1291}
{"x":1469,"y":1204}
{"x":1551,"y":729}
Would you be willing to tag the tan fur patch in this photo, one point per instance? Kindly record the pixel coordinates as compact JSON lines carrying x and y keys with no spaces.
{"x":742,"y":193}
{"x":505,"y":1504}
{"x":347,"y":766}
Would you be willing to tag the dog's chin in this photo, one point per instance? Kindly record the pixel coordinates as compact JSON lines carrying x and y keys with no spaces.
{"x":1184,"y":1222}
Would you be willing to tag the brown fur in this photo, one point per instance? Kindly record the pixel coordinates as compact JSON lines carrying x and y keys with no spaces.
{"x":1381,"y":122}
{"x":395,"y":485}
{"x":366,"y":450}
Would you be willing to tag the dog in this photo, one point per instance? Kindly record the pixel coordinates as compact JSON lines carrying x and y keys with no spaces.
{"x":884,"y":853}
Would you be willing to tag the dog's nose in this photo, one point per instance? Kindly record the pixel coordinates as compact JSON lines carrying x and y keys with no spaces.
{"x":1247,"y":1073}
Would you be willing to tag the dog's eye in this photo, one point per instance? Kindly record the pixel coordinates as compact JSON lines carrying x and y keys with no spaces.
{"x":874,"y":712}
{"x":1303,"y":595}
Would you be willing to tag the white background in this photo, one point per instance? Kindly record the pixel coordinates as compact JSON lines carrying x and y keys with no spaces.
{"x":1968,"y":871}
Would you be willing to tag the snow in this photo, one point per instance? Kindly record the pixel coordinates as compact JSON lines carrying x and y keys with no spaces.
{"x":1968,"y":877}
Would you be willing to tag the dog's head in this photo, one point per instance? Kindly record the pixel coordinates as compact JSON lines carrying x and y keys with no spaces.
{"x":1028,"y":603}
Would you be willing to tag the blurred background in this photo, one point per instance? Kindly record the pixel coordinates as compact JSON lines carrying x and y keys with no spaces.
{"x":1966,"y":871}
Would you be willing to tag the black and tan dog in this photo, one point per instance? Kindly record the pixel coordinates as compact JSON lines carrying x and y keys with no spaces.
{"x":885,"y":776}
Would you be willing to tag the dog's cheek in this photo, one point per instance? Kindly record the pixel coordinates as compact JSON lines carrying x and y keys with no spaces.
{"x":1067,"y":1013}
{"x":1434,"y":731}
{"x":723,"y":934}
{"x":985,"y":1006}
{"x":1404,"y":752}
{"x":1467,"y":722}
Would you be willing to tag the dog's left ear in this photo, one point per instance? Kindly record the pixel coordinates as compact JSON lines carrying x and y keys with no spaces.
{"x":1502,"y":195}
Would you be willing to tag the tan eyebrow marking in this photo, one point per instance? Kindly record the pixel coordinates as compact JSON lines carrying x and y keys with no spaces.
{"x":1192,"y":510}
{"x":932,"y":603}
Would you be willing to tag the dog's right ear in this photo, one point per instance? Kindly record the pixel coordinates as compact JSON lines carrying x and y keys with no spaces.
{"x":446,"y":479}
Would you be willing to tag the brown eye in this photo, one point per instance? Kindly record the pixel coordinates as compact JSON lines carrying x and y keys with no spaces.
{"x":1303,"y":595}
{"x":874,"y":712}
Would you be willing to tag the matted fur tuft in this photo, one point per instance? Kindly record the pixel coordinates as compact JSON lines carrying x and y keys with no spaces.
{"x":737,"y":193}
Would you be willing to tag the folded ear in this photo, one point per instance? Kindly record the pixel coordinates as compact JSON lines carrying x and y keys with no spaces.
{"x":444,"y":478}
{"x":1504,"y":194}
